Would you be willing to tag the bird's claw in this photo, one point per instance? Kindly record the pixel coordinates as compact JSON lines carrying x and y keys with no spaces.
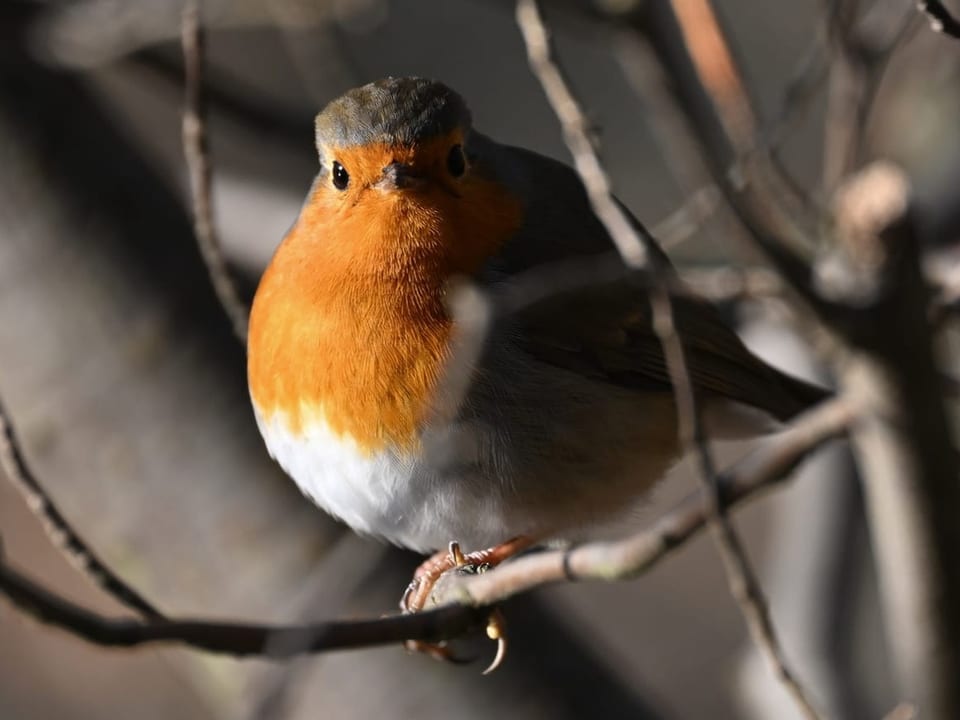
{"x":497,"y":630}
{"x":438,"y":651}
{"x":425,"y":578}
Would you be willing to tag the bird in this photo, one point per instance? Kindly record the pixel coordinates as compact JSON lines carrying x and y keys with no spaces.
{"x":561,"y":420}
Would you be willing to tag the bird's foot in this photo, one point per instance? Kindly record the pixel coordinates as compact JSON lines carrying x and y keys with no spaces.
{"x":431,"y":570}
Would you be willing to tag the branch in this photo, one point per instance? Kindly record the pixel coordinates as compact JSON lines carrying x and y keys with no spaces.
{"x":729,"y":284}
{"x":673,"y":137}
{"x":196,"y":152}
{"x":760,"y":470}
{"x":846,"y":98}
{"x":58,"y":529}
{"x":239,"y":639}
{"x":905,"y":444}
{"x":627,"y":237}
{"x":577,"y":137}
{"x":941,"y":20}
{"x":688,"y":219}
{"x":802,"y":86}
{"x":860,"y":60}
{"x":685,"y":53}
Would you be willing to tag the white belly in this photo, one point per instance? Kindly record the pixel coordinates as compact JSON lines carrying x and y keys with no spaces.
{"x":405,"y":500}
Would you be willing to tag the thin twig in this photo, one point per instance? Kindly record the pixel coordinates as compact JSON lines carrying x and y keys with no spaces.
{"x":197,"y":154}
{"x":673,"y":137}
{"x":58,"y":529}
{"x":733,"y":284}
{"x":905,"y":446}
{"x":738,"y":122}
{"x":758,"y":471}
{"x":859,"y":64}
{"x":806,"y":80}
{"x":688,"y":219}
{"x":576,"y":134}
{"x":353,"y":562}
{"x":239,"y":639}
{"x":731,"y":103}
{"x":845,"y":95}
{"x":770,"y":229}
{"x":941,"y":20}
{"x":723,"y":82}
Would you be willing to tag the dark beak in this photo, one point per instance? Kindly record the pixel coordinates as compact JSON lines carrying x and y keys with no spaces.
{"x":400,"y":176}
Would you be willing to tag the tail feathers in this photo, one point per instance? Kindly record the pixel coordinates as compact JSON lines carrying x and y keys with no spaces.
{"x":793,"y":398}
{"x":779,"y":400}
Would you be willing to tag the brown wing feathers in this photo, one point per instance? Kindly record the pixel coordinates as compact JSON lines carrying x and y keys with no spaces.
{"x":604,"y":331}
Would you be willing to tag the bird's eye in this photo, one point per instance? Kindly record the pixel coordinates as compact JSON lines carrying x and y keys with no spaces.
{"x":341,"y":178}
{"x":456,"y":162}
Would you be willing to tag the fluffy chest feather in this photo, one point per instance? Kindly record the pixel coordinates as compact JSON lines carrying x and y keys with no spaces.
{"x":420,"y":501}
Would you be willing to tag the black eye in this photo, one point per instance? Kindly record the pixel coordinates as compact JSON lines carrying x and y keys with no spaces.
{"x":456,"y":162}
{"x":341,"y":178}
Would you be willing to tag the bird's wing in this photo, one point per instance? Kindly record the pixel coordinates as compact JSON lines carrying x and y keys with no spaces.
{"x":600,"y":325}
{"x":604,"y":331}
{"x":558,"y":223}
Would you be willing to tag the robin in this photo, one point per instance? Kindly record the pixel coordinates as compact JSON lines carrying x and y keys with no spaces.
{"x":566,"y":418}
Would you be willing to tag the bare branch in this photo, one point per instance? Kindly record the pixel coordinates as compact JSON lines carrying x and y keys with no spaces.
{"x":941,"y":20}
{"x":577,"y":137}
{"x":685,"y":54}
{"x":238,"y":639}
{"x":719,"y":72}
{"x":58,"y":529}
{"x":806,"y":80}
{"x":684,"y":222}
{"x":733,"y":284}
{"x":196,"y":152}
{"x":846,"y":92}
{"x":860,"y":62}
{"x":904,"y":446}
{"x":673,"y":137}
{"x":739,"y":122}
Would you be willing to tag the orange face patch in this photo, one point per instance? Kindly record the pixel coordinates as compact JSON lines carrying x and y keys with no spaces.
{"x":349,"y":323}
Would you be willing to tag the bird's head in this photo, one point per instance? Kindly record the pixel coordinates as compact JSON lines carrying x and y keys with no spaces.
{"x":401,"y":188}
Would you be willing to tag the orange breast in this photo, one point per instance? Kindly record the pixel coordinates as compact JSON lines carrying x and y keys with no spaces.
{"x":349,"y":324}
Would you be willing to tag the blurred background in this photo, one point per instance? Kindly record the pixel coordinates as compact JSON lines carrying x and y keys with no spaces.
{"x":127,"y":386}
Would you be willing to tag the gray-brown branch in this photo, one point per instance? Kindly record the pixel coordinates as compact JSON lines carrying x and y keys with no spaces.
{"x":197,"y":154}
{"x":632,"y":240}
{"x":61,"y":533}
{"x":904,"y":445}
{"x":239,"y":639}
{"x":940,"y":18}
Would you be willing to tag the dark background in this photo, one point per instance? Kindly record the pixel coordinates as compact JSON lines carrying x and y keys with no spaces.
{"x":127,"y":386}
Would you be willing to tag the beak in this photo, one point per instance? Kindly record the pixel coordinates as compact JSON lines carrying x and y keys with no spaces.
{"x":400,"y":176}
